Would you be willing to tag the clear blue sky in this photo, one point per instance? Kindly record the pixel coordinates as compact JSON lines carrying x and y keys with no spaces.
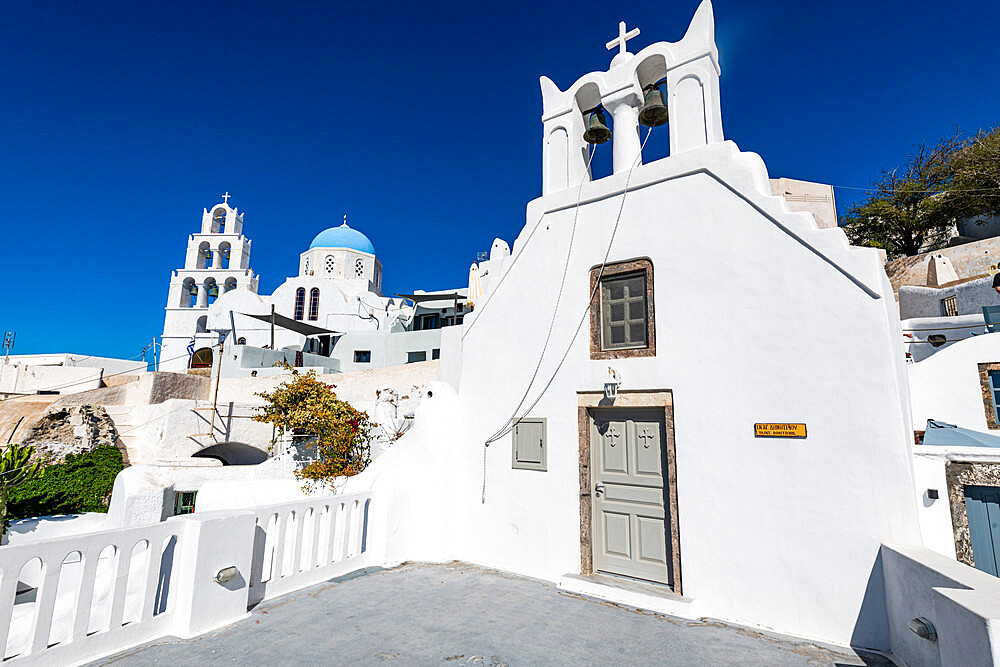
{"x":120,"y":121}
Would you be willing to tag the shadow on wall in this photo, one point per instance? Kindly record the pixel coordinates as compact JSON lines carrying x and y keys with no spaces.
{"x":233,"y":454}
{"x":871,"y":631}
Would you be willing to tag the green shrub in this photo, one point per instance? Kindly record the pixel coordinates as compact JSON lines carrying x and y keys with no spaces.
{"x":81,"y":483}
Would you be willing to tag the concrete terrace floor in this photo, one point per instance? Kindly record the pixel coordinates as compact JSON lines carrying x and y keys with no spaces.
{"x":460,"y":614}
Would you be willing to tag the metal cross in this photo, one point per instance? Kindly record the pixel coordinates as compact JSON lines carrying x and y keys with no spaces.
{"x":225,"y":198}
{"x":622,"y":37}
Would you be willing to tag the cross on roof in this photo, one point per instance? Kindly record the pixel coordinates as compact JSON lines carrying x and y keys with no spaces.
{"x":622,"y":37}
{"x":225,"y":198}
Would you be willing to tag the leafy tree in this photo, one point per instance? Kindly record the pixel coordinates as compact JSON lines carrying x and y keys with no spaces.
{"x":956,"y":178}
{"x":342,"y":434}
{"x":975,"y":186}
{"x":81,"y":483}
{"x":904,"y":206}
{"x":16,"y":469}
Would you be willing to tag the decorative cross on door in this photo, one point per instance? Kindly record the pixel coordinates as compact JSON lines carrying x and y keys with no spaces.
{"x":612,"y":434}
{"x":645,"y":436}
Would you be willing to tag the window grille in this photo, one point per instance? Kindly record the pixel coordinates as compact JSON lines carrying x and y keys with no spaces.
{"x":359,"y":268}
{"x":328,"y":263}
{"x":950,"y":305}
{"x":623,"y":311}
{"x":300,"y":302}
{"x":314,"y":304}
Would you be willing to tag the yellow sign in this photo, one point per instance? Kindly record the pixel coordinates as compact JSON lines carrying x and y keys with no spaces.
{"x":779,"y":430}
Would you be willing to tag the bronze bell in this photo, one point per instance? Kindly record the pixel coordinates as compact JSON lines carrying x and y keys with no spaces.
{"x":654,"y":111}
{"x":597,"y":129}
{"x":213,"y":291}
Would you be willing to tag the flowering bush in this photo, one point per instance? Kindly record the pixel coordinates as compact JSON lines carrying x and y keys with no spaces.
{"x":342,"y":434}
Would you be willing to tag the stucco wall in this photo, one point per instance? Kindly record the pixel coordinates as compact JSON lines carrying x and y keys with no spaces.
{"x":926,"y":301}
{"x":946,"y":386}
{"x":970,"y":260}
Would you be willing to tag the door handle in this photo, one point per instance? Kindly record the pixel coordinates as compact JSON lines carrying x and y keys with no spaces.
{"x":599,"y":489}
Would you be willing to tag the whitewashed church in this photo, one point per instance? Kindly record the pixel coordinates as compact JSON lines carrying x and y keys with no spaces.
{"x":331,"y":316}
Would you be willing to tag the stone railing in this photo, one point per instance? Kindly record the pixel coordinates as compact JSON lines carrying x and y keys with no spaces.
{"x":73,"y":599}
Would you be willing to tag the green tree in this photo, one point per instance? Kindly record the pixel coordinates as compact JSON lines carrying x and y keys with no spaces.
{"x":342,"y":434}
{"x":975,"y":185}
{"x":906,"y":205}
{"x":16,"y":468}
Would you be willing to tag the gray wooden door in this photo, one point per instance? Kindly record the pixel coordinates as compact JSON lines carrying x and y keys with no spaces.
{"x":629,"y":517}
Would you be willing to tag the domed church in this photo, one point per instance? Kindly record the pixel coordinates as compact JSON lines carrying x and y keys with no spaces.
{"x":332,"y":316}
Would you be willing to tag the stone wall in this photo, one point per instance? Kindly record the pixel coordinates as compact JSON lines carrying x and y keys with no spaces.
{"x":71,"y":430}
{"x":971,"y":260}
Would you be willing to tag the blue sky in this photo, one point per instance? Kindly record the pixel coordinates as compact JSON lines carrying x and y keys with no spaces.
{"x":120,"y":121}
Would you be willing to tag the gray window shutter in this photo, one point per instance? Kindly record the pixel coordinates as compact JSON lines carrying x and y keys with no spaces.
{"x":529,"y":445}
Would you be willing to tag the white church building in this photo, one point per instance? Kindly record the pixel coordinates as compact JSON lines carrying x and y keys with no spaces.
{"x":331,"y":316}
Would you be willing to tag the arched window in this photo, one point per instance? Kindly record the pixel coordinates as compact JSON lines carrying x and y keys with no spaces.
{"x":202,"y":325}
{"x":328,"y":264}
{"x":219,"y":220}
{"x":230,"y":284}
{"x":241,"y":341}
{"x":359,"y":267}
{"x":300,"y":302}
{"x":202,"y":358}
{"x":314,"y":304}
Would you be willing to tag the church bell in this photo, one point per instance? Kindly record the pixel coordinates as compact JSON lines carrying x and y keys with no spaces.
{"x":654,"y":111}
{"x":213,"y":291}
{"x":597,"y":129}
{"x":194,"y":290}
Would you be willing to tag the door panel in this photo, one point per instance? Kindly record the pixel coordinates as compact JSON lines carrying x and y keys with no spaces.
{"x":982,"y":506}
{"x":629,"y":516}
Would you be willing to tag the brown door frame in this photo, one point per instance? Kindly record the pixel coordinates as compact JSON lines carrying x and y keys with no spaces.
{"x":661,"y":399}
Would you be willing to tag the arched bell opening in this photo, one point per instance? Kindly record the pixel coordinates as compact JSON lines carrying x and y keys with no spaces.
{"x":654,"y":114}
{"x":204,"y":256}
{"x":189,"y":293}
{"x":598,"y":129}
{"x":224,"y":251}
{"x":211,"y":291}
{"x":219,"y":221}
{"x":201,"y":358}
{"x":230,"y":284}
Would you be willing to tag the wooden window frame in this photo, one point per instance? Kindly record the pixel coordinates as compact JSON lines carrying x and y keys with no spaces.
{"x":989,"y":394}
{"x":314,"y":304}
{"x":612,"y":270}
{"x":300,"y":304}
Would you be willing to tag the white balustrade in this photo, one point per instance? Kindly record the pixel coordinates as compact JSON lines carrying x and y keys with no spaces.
{"x":76,"y":598}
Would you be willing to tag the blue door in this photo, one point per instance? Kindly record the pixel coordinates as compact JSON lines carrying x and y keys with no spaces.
{"x":982,"y":506}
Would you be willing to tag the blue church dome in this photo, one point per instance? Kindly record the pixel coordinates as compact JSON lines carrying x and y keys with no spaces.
{"x":343,"y":237}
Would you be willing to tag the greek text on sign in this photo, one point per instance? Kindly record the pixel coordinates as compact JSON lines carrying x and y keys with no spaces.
{"x":779,"y":430}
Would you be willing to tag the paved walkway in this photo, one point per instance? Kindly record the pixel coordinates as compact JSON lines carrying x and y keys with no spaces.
{"x":458,"y":614}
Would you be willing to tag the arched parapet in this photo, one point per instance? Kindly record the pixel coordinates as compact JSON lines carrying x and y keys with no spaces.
{"x":690,"y":71}
{"x":221,"y":219}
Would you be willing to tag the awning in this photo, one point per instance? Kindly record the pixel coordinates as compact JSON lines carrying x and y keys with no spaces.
{"x":295,"y":325}
{"x":941,"y":434}
{"x":439,"y":296}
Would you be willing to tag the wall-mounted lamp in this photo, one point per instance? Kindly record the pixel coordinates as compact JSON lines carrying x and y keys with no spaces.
{"x":923,"y":628}
{"x":611,"y":386}
{"x":227,"y":574}
{"x":932,"y":494}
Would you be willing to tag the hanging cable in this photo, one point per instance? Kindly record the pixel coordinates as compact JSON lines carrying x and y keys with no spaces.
{"x":614,"y":230}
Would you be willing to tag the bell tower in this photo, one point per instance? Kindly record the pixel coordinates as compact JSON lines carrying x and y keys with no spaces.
{"x":676,"y":82}
{"x":217,"y":261}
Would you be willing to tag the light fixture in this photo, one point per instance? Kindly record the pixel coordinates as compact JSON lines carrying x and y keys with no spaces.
{"x":923,"y":628}
{"x":611,"y":386}
{"x":226,"y":574}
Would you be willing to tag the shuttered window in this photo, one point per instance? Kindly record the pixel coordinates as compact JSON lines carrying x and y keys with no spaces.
{"x":623,"y":312}
{"x":529,"y":445}
{"x":995,"y":393}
